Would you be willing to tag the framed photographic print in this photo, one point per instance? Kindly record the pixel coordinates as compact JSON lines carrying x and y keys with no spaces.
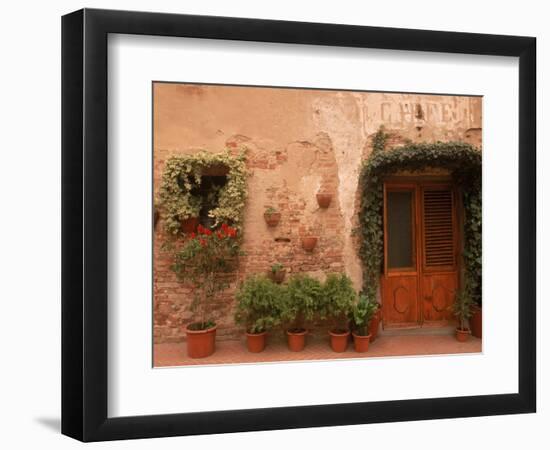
{"x":273,"y":224}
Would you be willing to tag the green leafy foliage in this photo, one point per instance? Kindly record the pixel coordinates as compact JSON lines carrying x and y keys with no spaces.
{"x":277,"y":267}
{"x":182,"y":176}
{"x":464,"y":162}
{"x":337,"y":300}
{"x":259,"y":302}
{"x":301,"y":302}
{"x":462,"y":306}
{"x":361,"y":314}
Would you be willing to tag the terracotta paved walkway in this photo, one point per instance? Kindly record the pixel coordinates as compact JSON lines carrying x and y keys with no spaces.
{"x":317,"y":348}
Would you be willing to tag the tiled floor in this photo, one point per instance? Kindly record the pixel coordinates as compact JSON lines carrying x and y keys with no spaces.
{"x":317,"y":348}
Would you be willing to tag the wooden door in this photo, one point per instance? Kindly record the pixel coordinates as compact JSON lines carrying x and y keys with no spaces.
{"x":420,"y":253}
{"x":439,"y":275}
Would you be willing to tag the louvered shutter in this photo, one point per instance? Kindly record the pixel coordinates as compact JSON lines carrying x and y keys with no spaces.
{"x":438,"y":228}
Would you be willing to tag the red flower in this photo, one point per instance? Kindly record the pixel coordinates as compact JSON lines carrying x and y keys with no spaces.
{"x":193,"y":235}
{"x":219,"y":234}
{"x":202,"y":242}
{"x":201,"y":229}
{"x":207,"y":232}
{"x":224,"y":227}
{"x":231,"y":232}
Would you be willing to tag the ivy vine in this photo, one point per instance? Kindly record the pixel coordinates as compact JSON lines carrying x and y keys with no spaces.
{"x":464,"y":163}
{"x":183,"y":175}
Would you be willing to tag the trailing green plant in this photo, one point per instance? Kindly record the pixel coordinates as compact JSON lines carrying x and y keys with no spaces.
{"x":338,"y":299}
{"x":361,"y":314}
{"x":181,"y":179}
{"x":462,"y":306}
{"x":277,"y":267}
{"x":199,"y":261}
{"x":464,"y":163}
{"x":270,"y":211}
{"x":259,"y":303}
{"x":301,"y":302}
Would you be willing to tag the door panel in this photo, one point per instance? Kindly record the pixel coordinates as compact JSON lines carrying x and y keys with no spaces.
{"x":438,"y":273}
{"x":438,"y":293}
{"x":400,"y":299}
{"x":400,"y":229}
{"x":438,"y":225}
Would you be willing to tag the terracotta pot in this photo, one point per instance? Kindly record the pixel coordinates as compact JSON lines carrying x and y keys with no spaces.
{"x":324,"y":200}
{"x":277,"y":277}
{"x":462,"y":335}
{"x":476,"y":322}
{"x":200,"y":343}
{"x":361,"y":343}
{"x":374,"y":325}
{"x":309,"y":243}
{"x":255,"y":342}
{"x":272,"y":219}
{"x":296,"y":340}
{"x":339,"y":340}
{"x":190,"y":225}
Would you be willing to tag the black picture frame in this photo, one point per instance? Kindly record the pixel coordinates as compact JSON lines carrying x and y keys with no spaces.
{"x":84,"y":224}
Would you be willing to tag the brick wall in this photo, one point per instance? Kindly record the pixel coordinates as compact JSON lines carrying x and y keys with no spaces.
{"x":298,"y":142}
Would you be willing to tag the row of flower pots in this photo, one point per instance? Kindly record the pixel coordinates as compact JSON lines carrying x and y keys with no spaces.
{"x":263,"y":305}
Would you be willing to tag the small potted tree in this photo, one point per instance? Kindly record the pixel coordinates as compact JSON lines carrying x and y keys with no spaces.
{"x":362,"y":313}
{"x":462,"y":310}
{"x":339,"y":296}
{"x":277,"y":273}
{"x":300,"y":305}
{"x":258,"y":309}
{"x":272,"y":216}
{"x":200,"y":260}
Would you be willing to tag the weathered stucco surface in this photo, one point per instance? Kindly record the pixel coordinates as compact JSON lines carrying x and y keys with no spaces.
{"x":298,"y":142}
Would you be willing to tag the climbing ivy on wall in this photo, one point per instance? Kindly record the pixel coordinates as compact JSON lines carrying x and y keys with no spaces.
{"x":461,"y":159}
{"x":182,"y":176}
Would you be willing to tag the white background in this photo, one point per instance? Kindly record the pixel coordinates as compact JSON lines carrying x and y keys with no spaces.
{"x":136,"y":389}
{"x":30,"y":237}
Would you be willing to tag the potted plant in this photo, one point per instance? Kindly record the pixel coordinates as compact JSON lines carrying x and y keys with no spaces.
{"x":300,"y":304}
{"x":339,"y":296}
{"x":272,"y":216}
{"x":462,"y":310}
{"x":258,"y":309}
{"x":309,"y":243}
{"x":277,"y":273}
{"x":200,"y":260}
{"x":361,"y":315}
{"x":189,"y":212}
{"x":324,"y":199}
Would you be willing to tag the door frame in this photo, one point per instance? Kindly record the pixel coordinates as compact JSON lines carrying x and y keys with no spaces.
{"x":417,"y":185}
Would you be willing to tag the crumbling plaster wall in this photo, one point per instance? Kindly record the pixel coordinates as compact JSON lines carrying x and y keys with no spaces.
{"x":298,"y":142}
